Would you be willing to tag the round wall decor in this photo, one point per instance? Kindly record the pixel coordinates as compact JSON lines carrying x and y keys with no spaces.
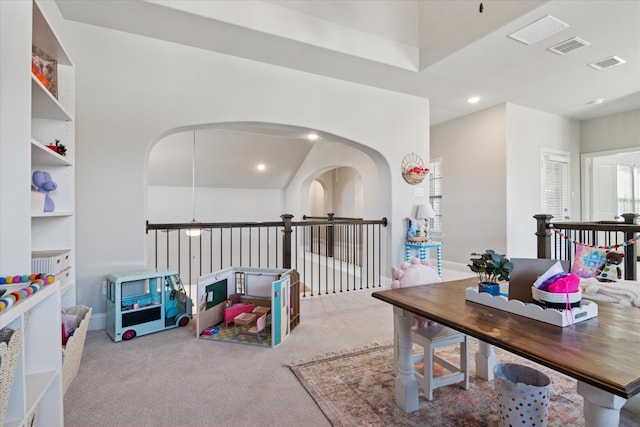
{"x":413,"y":169}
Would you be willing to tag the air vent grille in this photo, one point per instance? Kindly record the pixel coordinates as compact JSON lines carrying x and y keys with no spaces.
{"x":569,"y":46}
{"x":538,"y":30}
{"x":609,"y":62}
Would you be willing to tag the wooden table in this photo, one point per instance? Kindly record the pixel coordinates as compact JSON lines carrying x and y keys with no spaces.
{"x":601,"y":353}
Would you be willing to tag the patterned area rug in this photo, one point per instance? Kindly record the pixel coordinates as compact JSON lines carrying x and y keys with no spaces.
{"x":240,"y":336}
{"x":357,"y":389}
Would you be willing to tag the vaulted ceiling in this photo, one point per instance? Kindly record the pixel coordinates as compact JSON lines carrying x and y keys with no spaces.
{"x":443,"y":50}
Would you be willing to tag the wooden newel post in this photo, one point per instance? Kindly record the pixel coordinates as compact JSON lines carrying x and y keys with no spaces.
{"x":630,"y":251}
{"x":286,"y":240}
{"x":543,"y":235}
{"x":629,"y":218}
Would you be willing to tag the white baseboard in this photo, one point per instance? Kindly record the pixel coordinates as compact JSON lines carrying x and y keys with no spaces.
{"x":98,"y":321}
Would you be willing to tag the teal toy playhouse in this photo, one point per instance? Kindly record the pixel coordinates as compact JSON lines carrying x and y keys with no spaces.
{"x":143,"y":302}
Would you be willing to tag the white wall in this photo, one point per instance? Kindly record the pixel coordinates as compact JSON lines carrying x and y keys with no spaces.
{"x":605,"y":136}
{"x":528,"y":132}
{"x":175,"y":204}
{"x":613,"y":132}
{"x":132,"y":91}
{"x":15,"y":123}
{"x":347,"y":193}
{"x":491,"y":177}
{"x":318,"y":205}
{"x":473,"y":151}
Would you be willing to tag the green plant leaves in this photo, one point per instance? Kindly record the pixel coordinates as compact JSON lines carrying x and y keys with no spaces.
{"x":491,"y":266}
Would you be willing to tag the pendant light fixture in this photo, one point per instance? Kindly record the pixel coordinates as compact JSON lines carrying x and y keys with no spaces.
{"x":196,"y":230}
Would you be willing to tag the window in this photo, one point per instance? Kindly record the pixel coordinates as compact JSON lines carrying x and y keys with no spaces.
{"x":628,"y":196}
{"x":555,"y":184}
{"x":435,"y":197}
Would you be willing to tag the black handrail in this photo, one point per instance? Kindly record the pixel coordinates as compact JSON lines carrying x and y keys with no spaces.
{"x":346,"y":256}
{"x":609,"y":233}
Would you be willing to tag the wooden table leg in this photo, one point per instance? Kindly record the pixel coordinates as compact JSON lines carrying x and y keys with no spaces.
{"x":601,"y":408}
{"x":485,"y":361}
{"x":405,"y":384}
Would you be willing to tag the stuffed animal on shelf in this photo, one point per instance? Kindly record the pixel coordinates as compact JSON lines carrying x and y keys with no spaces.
{"x":415,"y":273}
{"x":43,"y":183}
{"x":610,"y":271}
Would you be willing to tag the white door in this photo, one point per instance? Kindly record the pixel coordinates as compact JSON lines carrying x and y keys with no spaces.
{"x":603,"y":201}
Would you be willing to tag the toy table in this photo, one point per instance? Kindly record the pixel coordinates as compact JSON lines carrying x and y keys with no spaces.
{"x":243,"y":319}
{"x":422,"y":250}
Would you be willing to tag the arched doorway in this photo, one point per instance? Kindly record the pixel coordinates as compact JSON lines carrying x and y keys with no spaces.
{"x":210,"y":174}
{"x":228,"y":184}
{"x":337,"y":191}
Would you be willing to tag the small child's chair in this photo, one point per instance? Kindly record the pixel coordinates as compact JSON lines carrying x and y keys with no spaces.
{"x":260,"y":326}
{"x":431,"y":335}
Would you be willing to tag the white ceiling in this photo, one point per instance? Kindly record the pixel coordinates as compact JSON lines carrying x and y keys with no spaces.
{"x":442,"y":50}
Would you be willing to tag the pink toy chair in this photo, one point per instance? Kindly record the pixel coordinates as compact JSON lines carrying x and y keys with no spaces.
{"x":260,"y":326}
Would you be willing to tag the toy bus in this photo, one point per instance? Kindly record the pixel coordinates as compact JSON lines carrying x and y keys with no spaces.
{"x":143,"y":302}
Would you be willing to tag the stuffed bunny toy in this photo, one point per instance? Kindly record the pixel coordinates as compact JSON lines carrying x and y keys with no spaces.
{"x":43,"y":183}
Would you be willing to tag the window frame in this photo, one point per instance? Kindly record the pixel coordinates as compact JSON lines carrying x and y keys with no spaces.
{"x":436,"y":174}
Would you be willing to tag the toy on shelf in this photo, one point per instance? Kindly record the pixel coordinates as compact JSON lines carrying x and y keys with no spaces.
{"x":43,"y":183}
{"x":58,"y":148}
{"x":15,"y":296}
{"x":9,"y":280}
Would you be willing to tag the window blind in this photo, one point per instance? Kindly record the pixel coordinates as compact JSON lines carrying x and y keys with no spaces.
{"x":435,"y":196}
{"x":555,"y":185}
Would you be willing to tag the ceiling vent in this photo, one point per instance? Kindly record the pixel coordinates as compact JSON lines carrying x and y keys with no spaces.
{"x":538,"y":30}
{"x":569,"y":46}
{"x":609,"y":62}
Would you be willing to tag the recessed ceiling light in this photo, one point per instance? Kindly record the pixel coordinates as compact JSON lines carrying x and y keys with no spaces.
{"x":596,"y":101}
{"x":473,"y":100}
{"x":312,"y":136}
{"x":261,"y":167}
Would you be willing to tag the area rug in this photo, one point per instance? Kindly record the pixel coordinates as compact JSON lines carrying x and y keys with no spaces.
{"x":357,"y":389}
{"x":240,"y":336}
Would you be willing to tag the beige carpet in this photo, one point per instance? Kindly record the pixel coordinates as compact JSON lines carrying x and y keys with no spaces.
{"x":357,"y":388}
{"x":173,"y":379}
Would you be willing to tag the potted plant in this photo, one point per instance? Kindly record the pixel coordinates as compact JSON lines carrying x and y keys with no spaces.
{"x":490,"y":267}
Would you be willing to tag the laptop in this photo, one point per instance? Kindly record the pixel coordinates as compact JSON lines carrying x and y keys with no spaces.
{"x":525,"y":272}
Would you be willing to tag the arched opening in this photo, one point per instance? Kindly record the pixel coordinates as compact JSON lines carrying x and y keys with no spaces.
{"x":228,"y":184}
{"x":210,"y":174}
{"x":337,"y":191}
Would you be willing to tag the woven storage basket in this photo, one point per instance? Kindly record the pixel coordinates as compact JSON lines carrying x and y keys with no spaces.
{"x":556,"y":300}
{"x":10,"y":344}
{"x":414,"y":178}
{"x":72,"y":353}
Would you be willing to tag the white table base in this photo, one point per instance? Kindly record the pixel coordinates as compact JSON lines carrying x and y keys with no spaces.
{"x":601,"y":408}
{"x":485,"y":361}
{"x":406,"y":385}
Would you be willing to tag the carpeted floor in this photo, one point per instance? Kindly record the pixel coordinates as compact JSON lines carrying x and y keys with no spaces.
{"x":357,"y":389}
